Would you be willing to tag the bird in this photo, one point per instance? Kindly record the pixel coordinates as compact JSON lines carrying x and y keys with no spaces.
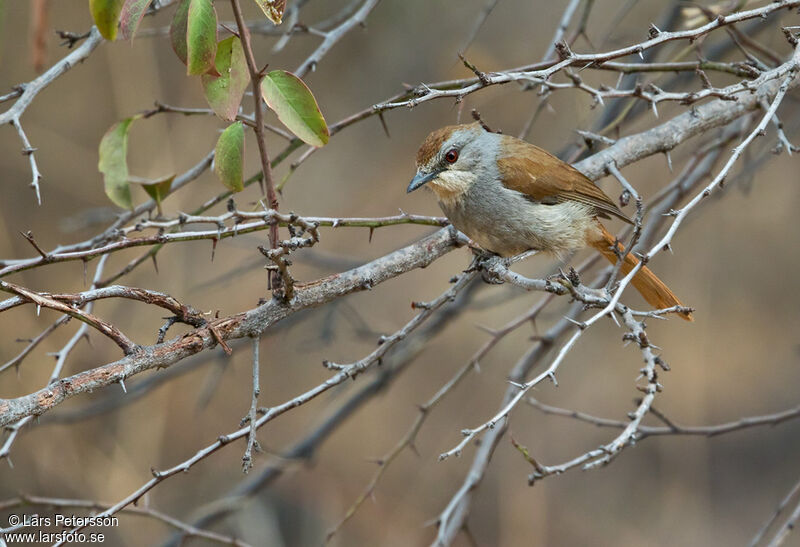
{"x":510,"y":196}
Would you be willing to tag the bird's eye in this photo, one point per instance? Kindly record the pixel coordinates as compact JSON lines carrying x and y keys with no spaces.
{"x":451,"y":156}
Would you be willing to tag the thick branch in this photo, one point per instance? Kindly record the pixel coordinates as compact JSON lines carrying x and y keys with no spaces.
{"x":250,"y":323}
{"x":679,"y":129}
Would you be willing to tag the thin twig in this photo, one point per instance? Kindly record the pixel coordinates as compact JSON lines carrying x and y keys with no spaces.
{"x":252,"y":441}
{"x":43,"y":301}
{"x":345,"y":373}
{"x":334,"y":36}
{"x":61,"y":357}
{"x":793,"y":492}
{"x":32,"y":88}
{"x":246,"y":324}
{"x":563,"y":25}
{"x":256,"y":75}
{"x":645,"y":431}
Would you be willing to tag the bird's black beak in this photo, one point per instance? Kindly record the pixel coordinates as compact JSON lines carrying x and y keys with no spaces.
{"x":420,"y":179}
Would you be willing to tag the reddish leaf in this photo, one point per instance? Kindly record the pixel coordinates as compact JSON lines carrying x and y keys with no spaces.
{"x":273,"y":9}
{"x":177,"y":30}
{"x":201,"y":37}
{"x":131,"y":16}
{"x":224,"y":93}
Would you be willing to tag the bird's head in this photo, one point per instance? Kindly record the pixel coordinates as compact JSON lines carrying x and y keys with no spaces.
{"x":450,"y":158}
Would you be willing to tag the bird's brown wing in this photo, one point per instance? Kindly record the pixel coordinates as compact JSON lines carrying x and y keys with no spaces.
{"x":546,"y":179}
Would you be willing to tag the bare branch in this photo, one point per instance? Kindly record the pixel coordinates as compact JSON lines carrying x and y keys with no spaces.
{"x":28,"y":150}
{"x":784,"y":530}
{"x":252,"y":442}
{"x":645,"y":431}
{"x":345,"y":373}
{"x":16,"y":361}
{"x":267,"y":218}
{"x":250,"y":323}
{"x":32,"y":88}
{"x":256,"y":75}
{"x":334,"y":36}
{"x":44,"y":301}
{"x":561,"y":29}
{"x":61,"y":357}
{"x":461,"y":88}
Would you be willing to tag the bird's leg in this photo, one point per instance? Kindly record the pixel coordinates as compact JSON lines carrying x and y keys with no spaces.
{"x":573,"y":277}
{"x":488,"y":264}
{"x":570,"y":276}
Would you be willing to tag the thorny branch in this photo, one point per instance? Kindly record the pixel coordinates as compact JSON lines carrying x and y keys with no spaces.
{"x":333,"y":36}
{"x":392,"y":365}
{"x":258,"y":221}
{"x":61,"y":358}
{"x":32,"y":88}
{"x":452,"y":518}
{"x":278,"y":255}
{"x":542,"y":72}
{"x":249,"y":323}
{"x":345,"y":372}
{"x":44,"y":301}
{"x":252,"y":442}
{"x":256,"y":75}
{"x":787,"y":526}
{"x":604,"y":454}
{"x":644,"y":431}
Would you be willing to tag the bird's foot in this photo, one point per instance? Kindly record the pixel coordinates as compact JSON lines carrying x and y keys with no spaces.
{"x":490,"y":265}
{"x":570,"y":275}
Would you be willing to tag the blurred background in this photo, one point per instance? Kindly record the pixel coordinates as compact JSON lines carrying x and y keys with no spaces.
{"x":734,"y":260}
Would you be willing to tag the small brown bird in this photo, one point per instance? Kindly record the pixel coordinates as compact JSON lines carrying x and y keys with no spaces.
{"x":510,"y":196}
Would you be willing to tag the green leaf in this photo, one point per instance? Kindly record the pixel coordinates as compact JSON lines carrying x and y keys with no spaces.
{"x":131,"y":16}
{"x":106,"y":16}
{"x":229,"y":157}
{"x":224,"y":93}
{"x":177,"y":30}
{"x":114,"y":163}
{"x":273,"y":9}
{"x":295,"y":106}
{"x":201,"y":37}
{"x":157,"y":189}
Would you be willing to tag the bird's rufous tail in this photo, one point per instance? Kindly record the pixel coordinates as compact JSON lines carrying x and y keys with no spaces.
{"x":649,"y":286}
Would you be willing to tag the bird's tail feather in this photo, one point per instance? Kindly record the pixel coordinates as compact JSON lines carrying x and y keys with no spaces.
{"x":645,"y":281}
